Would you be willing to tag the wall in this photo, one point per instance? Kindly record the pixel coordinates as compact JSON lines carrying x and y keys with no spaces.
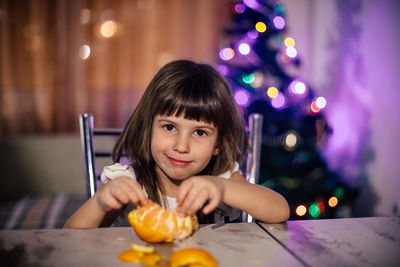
{"x":41,"y":165}
{"x":349,"y":55}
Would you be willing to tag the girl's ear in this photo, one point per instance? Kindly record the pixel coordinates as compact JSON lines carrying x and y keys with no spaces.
{"x":215,"y":151}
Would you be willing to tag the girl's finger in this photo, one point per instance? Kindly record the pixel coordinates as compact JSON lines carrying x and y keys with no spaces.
{"x":184,"y":190}
{"x":212,"y":204}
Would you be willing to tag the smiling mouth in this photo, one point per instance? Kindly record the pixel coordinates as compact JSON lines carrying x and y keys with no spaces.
{"x":178,"y":162}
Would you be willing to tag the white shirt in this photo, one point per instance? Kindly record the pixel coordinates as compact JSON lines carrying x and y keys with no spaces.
{"x":223,"y":213}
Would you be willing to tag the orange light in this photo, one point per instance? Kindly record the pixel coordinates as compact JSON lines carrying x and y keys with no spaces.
{"x":314,"y":107}
{"x":301,"y":210}
{"x":333,"y":201}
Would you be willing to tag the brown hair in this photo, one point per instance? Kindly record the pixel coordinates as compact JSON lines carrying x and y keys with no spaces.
{"x":196,"y":91}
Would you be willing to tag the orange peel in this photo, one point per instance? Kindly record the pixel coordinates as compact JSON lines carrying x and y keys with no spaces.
{"x":154,"y":224}
{"x":192,"y":257}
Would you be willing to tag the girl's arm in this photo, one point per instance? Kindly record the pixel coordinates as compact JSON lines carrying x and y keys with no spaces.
{"x":260,"y":202}
{"x":103,"y":208}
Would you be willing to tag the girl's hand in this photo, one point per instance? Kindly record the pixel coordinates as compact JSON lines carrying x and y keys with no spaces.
{"x":119,"y":192}
{"x":195,"y":191}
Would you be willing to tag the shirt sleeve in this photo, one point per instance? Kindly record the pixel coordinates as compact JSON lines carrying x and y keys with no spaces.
{"x":229,"y":173}
{"x":116,"y":170}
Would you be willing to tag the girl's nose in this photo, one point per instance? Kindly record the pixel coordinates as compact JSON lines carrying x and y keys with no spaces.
{"x":182,"y":144}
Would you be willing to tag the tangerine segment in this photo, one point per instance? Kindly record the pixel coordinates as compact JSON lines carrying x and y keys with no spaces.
{"x":151,"y":259}
{"x":147,"y":233}
{"x":192,"y":257}
{"x":129,"y":256}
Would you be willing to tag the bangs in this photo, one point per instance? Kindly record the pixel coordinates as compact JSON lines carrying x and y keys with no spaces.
{"x":193,"y":102}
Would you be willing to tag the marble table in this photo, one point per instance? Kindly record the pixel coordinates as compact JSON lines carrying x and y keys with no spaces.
{"x":336,"y":242}
{"x":373,"y":241}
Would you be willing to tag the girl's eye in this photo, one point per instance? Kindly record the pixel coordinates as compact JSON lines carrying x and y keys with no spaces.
{"x":169,"y":127}
{"x":200,"y":132}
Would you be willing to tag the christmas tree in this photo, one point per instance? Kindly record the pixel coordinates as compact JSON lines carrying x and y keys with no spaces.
{"x":255,"y":57}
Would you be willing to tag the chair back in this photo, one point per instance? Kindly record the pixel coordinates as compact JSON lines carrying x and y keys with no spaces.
{"x":90,"y":134}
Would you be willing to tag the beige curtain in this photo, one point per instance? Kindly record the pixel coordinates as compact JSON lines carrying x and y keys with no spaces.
{"x":59,"y":58}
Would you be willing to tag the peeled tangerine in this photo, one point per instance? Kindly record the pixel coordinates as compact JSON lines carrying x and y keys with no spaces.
{"x":154,"y":224}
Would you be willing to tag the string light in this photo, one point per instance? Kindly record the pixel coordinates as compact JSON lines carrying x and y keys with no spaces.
{"x":226,"y":53}
{"x":241,"y":97}
{"x":289,"y":42}
{"x":290,"y":140}
{"x":297,"y":87}
{"x":253,"y":34}
{"x":338,"y":192}
{"x":301,"y":210}
{"x":333,"y":201}
{"x":291,"y":52}
{"x":239,"y":8}
{"x":261,"y":27}
{"x":244,"y":48}
{"x":320,"y":102}
{"x":279,"y":22}
{"x":278,"y":101}
{"x":314,"y":108}
{"x":248,"y":78}
{"x":272,"y":92}
{"x":258,"y":79}
{"x":314,"y":210}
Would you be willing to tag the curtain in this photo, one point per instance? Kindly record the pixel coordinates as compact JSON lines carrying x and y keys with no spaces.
{"x":65,"y":57}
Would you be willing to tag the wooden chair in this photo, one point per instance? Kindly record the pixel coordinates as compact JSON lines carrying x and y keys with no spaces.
{"x":91,"y":152}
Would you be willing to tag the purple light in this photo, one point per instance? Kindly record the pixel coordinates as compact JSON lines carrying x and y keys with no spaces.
{"x":244,"y":48}
{"x":297,"y":87}
{"x":241,"y":97}
{"x":252,"y":34}
{"x":320,"y":102}
{"x":291,"y":52}
{"x":226,"y":53}
{"x":223,"y":70}
{"x":239,"y":8}
{"x":279,"y":22}
{"x":251,"y":3}
{"x":278,"y":101}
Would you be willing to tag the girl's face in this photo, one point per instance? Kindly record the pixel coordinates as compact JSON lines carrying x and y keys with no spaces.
{"x":180,"y":147}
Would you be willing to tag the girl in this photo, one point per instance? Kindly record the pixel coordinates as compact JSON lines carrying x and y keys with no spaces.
{"x":184,"y":140}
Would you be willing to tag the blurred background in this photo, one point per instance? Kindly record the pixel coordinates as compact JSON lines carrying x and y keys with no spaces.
{"x":335,"y":158}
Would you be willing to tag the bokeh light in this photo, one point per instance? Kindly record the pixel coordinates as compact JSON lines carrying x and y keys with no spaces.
{"x":314,"y":211}
{"x":261,"y":27}
{"x":84,"y":52}
{"x":241,"y":97}
{"x":258,"y":79}
{"x":279,"y":22}
{"x":244,"y":48}
{"x":278,"y":101}
{"x":239,"y":8}
{"x":301,"y":210}
{"x":314,"y":108}
{"x":338,"y":192}
{"x":226,"y":53}
{"x":289,"y":42}
{"x":272,"y":92}
{"x":248,"y":78}
{"x":108,"y":28}
{"x":291,"y":52}
{"x":333,"y":201}
{"x":85,"y":16}
{"x":297,"y":87}
{"x":253,"y":34}
{"x":320,"y":102}
{"x":290,"y":140}
{"x":223,"y":70}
